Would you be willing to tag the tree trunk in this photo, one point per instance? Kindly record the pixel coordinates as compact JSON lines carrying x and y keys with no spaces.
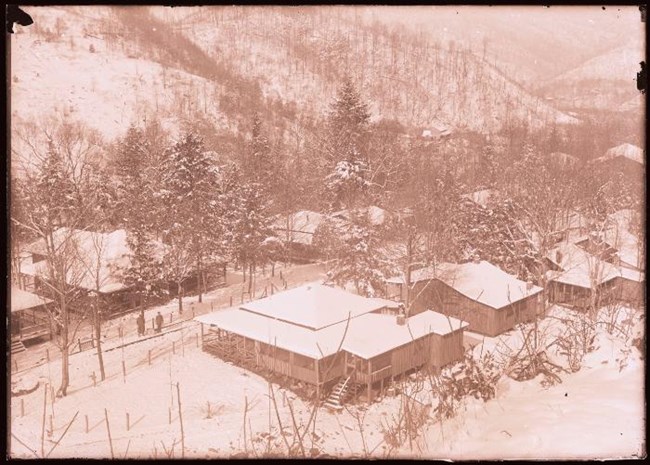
{"x":199,"y":277}
{"x":250,"y":278}
{"x":65,"y":349}
{"x":98,"y":338}
{"x":407,"y":284}
{"x":180,"y":298}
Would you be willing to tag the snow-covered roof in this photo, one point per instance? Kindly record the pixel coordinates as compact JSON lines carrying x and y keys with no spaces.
{"x":362,"y":335}
{"x":436,"y":129}
{"x":485,"y":283}
{"x":314,"y":306}
{"x":302,"y":226}
{"x":375,"y":215}
{"x":23,"y":300}
{"x":626,"y":244}
{"x":582,"y":269}
{"x":298,"y":339}
{"x":108,"y":250}
{"x":629,"y":151}
{"x":366,"y":336}
{"x":482,"y":282}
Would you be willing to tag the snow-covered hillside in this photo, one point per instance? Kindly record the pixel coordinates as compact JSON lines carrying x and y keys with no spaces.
{"x":298,"y":57}
{"x":607,"y":81}
{"x":67,"y":68}
{"x":301,"y":56}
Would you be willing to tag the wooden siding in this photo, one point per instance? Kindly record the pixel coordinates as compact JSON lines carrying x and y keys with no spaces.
{"x":437,"y":296}
{"x":630,"y":292}
{"x":411,"y":355}
{"x":446,"y":349}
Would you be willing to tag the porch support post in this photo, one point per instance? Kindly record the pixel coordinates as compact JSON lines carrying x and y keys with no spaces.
{"x":318,"y":380}
{"x":291,"y":364}
{"x":369,"y":381}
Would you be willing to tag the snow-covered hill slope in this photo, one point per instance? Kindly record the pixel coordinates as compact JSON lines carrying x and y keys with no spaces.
{"x":301,"y":55}
{"x":606,"y":81}
{"x":64,"y":65}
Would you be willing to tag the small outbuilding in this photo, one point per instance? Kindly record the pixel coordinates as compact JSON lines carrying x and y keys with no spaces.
{"x":489,"y":299}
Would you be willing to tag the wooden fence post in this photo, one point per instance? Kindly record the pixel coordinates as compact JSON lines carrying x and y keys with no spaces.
{"x":197,"y":339}
{"x":47,"y":355}
{"x":86,"y":420}
{"x":22,"y":407}
{"x":128,"y":422}
{"x":94,"y":378}
{"x":43,"y":425}
{"x":124,"y":370}
{"x":149,"y":356}
{"x":231,"y":301}
{"x":169,"y":415}
{"x":108,"y":429}
{"x":180,"y":419}
{"x":171,"y":315}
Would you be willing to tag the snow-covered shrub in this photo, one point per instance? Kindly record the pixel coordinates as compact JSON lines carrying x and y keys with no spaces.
{"x":577,"y":340}
{"x":530,"y":359}
{"x":473,"y":377}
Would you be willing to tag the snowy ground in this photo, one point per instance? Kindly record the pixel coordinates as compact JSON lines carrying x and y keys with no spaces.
{"x":597,"y":412}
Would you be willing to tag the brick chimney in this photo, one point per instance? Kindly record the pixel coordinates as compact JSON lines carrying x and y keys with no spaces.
{"x":476,"y":259}
{"x":558,"y":257}
{"x":401,"y":319}
{"x":529,"y":286}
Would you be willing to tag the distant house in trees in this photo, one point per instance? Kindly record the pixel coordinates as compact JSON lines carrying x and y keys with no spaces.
{"x":297,"y":232}
{"x":301,"y":230}
{"x":436,"y":131}
{"x":331,"y":340}
{"x":579,"y":276}
{"x":625,"y":158}
{"x":97,"y":262}
{"x":629,"y":248}
{"x":376,"y":216}
{"x":29,"y":316}
{"x":489,"y":299}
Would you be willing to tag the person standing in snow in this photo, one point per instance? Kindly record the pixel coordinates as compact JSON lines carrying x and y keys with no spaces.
{"x":159,"y":322}
{"x":140,"y":322}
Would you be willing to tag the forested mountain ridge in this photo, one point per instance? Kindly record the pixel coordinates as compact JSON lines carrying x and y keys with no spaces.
{"x":221,"y":66}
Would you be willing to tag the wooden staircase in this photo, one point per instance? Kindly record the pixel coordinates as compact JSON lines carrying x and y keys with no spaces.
{"x":339,"y":393}
{"x":17,"y":346}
